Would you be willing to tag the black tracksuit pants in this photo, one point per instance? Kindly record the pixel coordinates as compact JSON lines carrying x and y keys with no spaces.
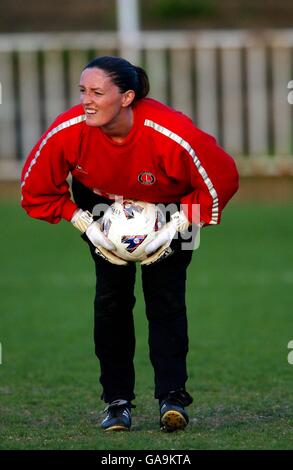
{"x":164,"y":286}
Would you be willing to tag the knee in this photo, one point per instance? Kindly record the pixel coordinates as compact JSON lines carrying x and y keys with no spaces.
{"x":168,"y":311}
{"x":112,"y":304}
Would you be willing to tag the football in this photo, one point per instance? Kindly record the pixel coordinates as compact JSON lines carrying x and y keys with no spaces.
{"x":130,"y":226}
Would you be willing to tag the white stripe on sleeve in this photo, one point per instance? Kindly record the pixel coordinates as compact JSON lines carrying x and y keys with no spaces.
{"x":200,"y":168}
{"x":55,"y":130}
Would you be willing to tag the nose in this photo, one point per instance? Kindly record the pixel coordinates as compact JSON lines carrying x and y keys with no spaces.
{"x":85,"y":99}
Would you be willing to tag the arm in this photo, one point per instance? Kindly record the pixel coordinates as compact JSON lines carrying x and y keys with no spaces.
{"x":45,"y":191}
{"x":84,"y":222}
{"x":214,"y":178}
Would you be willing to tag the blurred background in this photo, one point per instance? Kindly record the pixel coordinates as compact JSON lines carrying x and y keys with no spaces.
{"x":228,"y":65}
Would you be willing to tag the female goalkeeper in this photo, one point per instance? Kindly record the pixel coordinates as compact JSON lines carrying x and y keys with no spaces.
{"x":119,"y":143}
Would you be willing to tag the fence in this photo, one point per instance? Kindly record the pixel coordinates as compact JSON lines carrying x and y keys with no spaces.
{"x":234,"y":84}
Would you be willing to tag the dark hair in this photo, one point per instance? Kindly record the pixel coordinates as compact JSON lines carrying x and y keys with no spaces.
{"x":124,"y":74}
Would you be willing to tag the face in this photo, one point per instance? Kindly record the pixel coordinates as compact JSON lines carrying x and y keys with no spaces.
{"x":102,"y":100}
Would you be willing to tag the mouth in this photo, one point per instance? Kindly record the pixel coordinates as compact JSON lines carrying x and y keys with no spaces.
{"x":90,"y":111}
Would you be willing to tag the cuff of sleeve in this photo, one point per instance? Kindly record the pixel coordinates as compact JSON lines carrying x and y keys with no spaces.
{"x":191,"y":212}
{"x":68,"y":210}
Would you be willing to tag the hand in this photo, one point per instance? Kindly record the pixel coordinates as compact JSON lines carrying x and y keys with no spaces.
{"x":159,"y":249}
{"x":178,"y":223}
{"x":96,"y":236}
{"x":159,"y":255}
{"x":83,"y":221}
{"x":110,"y":256}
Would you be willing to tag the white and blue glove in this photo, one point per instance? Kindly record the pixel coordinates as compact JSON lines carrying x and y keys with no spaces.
{"x":84,"y":222}
{"x":159,"y":248}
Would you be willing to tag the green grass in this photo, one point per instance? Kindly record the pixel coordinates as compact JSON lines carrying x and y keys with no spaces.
{"x":240,"y":291}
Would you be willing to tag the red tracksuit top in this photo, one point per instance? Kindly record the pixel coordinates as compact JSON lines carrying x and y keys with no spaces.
{"x":165,"y":158}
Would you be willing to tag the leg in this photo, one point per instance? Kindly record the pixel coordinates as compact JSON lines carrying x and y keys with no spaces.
{"x":164,"y":286}
{"x":114,"y":329}
{"x":114,"y":302}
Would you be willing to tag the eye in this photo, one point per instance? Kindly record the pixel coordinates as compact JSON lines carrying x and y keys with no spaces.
{"x":98,"y":93}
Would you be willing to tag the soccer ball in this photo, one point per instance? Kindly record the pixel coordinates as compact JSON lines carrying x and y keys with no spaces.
{"x":130,"y":226}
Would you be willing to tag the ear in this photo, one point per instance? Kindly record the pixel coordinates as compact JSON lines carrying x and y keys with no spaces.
{"x":127,"y":98}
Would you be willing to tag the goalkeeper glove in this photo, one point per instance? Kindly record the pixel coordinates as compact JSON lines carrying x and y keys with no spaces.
{"x":159,"y":248}
{"x":84,"y":222}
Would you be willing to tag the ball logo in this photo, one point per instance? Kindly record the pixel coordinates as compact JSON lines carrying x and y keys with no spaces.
{"x":131,"y":242}
{"x":146,"y":178}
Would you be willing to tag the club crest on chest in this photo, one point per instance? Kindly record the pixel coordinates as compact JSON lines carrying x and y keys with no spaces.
{"x":146,"y":178}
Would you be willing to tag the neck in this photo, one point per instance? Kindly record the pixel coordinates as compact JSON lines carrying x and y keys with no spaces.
{"x":119,"y":129}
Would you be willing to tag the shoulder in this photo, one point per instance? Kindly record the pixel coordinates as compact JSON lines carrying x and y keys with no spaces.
{"x":164,"y":119}
{"x":67,"y":125}
{"x":68,"y":118}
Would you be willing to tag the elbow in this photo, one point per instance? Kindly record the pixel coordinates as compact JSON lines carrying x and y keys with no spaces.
{"x":236,"y":183}
{"x":24,"y":205}
{"x":236,"y":180}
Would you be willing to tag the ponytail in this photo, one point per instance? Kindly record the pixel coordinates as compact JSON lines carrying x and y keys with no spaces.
{"x":143,"y":87}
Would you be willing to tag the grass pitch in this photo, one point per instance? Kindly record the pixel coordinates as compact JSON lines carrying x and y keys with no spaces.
{"x":240,"y":323}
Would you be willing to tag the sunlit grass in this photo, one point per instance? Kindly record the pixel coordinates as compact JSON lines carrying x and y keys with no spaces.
{"x":240,"y":322}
